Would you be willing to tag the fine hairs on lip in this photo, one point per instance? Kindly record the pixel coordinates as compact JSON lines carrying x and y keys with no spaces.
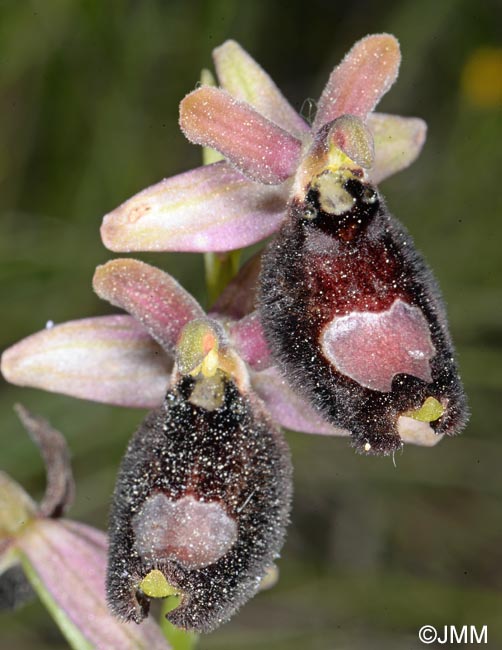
{"x":232,"y":460}
{"x":324,"y":266}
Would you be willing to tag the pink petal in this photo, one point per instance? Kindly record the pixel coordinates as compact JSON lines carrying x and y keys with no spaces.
{"x":372,"y":347}
{"x":248,"y":339}
{"x":242,"y":77}
{"x":109,"y":359}
{"x":289,"y":409}
{"x":261,"y":150}
{"x":398,"y":142}
{"x":356,"y":85}
{"x":66,"y":563}
{"x":150,"y":295}
{"x":212,"y":208}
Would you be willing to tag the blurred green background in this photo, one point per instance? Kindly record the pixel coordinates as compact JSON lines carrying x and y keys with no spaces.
{"x":89,"y":94}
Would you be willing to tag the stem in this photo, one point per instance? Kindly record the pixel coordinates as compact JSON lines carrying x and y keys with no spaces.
{"x":220,"y":269}
{"x":179,"y":639}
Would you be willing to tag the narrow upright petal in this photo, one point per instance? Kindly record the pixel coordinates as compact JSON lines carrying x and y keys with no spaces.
{"x":242,"y":77}
{"x":212,"y":208}
{"x":259,"y":148}
{"x":110,"y":359}
{"x":356,"y":85}
{"x":398,"y":142}
{"x":153,"y":297}
{"x":209,"y":156}
{"x":66,"y":564}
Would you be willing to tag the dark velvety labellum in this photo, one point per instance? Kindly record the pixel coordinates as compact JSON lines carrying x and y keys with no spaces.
{"x":203,"y":496}
{"x":354,"y":317}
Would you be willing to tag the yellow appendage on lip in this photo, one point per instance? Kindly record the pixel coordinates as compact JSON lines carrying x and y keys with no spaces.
{"x":430,"y":411}
{"x":155,"y":585}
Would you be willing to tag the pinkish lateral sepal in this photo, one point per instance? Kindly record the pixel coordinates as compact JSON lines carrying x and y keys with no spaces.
{"x":211,"y":208}
{"x":104,"y":359}
{"x":398,"y":143}
{"x":249,"y":340}
{"x":218,"y":208}
{"x":66,"y":562}
{"x":63,"y":561}
{"x":290,"y":409}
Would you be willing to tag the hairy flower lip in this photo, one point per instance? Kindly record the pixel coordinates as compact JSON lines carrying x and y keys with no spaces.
{"x":203,"y":495}
{"x":260,"y":173}
{"x":221,"y":207}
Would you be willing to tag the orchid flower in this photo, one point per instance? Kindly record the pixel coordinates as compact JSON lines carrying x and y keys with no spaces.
{"x":64,"y":561}
{"x":203,"y":494}
{"x":127,"y":360}
{"x":241,"y":200}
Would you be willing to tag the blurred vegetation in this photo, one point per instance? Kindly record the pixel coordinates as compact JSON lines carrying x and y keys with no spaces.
{"x":89,"y":94}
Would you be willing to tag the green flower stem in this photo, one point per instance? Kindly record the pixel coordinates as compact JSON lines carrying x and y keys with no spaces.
{"x":220,"y":269}
{"x":179,"y":639}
